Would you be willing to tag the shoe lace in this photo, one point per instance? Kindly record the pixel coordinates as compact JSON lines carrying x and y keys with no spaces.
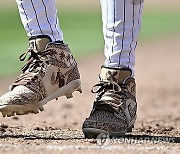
{"x":35,"y":63}
{"x":35,"y":60}
{"x":110,"y":96}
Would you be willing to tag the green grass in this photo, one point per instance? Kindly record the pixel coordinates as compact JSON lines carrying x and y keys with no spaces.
{"x":157,"y":24}
{"x":82,"y":31}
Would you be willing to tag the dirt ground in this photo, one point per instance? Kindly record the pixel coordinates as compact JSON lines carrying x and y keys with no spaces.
{"x":58,"y":128}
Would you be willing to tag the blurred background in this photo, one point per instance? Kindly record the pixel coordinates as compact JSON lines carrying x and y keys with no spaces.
{"x":80,"y":21}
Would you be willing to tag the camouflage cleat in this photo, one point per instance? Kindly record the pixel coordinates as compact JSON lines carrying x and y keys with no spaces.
{"x":114,"y":109}
{"x":50,"y":72}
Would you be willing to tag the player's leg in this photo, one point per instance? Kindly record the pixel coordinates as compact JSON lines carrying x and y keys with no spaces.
{"x":51,"y":70}
{"x":115,"y":106}
{"x":40,"y":18}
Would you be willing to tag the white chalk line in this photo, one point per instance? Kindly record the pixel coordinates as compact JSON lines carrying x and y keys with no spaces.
{"x":94,"y":147}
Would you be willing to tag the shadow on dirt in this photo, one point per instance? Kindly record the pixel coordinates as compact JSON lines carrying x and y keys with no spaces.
{"x":37,"y":137}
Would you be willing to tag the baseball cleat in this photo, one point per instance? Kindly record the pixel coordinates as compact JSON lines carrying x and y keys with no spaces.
{"x":114,"y":109}
{"x":50,"y":72}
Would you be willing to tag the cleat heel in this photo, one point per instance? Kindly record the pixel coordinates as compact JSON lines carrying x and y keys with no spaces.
{"x":79,"y":89}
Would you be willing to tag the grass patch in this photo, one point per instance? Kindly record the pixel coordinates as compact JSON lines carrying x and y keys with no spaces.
{"x":158,"y":24}
{"x":82,"y":31}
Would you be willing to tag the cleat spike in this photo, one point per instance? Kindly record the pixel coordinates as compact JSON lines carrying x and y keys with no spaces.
{"x":20,"y":112}
{"x":79,"y":89}
{"x":69,"y":95}
{"x":13,"y":113}
{"x":3,"y":114}
{"x":9,"y":114}
{"x":35,"y":111}
{"x":41,"y":108}
{"x":26,"y":113}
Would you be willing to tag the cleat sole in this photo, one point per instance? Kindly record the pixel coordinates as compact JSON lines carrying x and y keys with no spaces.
{"x":67,"y":90}
{"x":93,"y":132}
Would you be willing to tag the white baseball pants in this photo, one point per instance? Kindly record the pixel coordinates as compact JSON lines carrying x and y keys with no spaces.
{"x":121,"y":25}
